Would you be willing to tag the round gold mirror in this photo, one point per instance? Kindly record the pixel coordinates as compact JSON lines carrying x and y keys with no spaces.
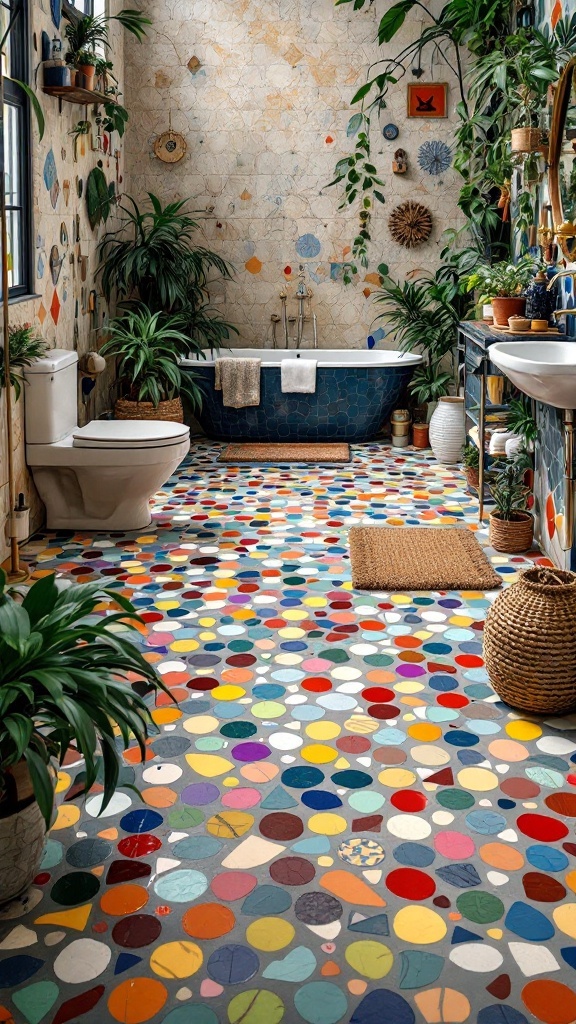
{"x":562,"y":162}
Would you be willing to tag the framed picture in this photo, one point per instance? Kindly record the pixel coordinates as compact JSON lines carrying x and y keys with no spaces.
{"x":427,"y":99}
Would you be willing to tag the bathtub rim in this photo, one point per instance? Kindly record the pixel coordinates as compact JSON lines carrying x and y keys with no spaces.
{"x":359,"y":359}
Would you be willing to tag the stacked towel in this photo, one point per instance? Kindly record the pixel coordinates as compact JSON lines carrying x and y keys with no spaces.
{"x":239,"y":381}
{"x":299,"y":376}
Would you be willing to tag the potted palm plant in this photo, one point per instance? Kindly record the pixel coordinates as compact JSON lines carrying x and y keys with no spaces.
{"x":511,"y":525}
{"x":501,"y":286}
{"x":152,"y":258}
{"x":63,"y":684}
{"x":148,"y":347}
{"x":24,"y":346}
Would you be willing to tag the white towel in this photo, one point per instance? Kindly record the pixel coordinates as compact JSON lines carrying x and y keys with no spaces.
{"x":299,"y":376}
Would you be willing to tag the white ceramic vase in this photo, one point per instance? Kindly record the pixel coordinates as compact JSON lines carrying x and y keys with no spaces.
{"x":447,"y":430}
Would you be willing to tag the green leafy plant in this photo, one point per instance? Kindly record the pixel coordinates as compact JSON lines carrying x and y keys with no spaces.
{"x":100,"y":197}
{"x":152,"y":258}
{"x":471,"y":457}
{"x":430,"y":383}
{"x":521,"y":420}
{"x":115,"y":118}
{"x":90,"y":32}
{"x":63,"y":683}
{"x":149,"y":346}
{"x":25,"y":347}
{"x":507,"y":487}
{"x":502,"y":279}
{"x":86,"y":58}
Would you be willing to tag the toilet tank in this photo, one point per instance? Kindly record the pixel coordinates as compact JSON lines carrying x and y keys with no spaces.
{"x":51,"y":402}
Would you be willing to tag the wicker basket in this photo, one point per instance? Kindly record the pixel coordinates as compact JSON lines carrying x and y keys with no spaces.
{"x":526,"y":140}
{"x":530,"y":642}
{"x":511,"y":535}
{"x":171,"y":410}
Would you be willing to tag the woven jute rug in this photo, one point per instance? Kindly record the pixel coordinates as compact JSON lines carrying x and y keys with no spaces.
{"x":419,"y":558}
{"x":259,"y":452}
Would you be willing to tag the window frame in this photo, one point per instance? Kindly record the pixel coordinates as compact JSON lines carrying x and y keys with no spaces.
{"x":16,"y":97}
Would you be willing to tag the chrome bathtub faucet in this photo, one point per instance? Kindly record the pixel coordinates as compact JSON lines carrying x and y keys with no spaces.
{"x":304,"y":315}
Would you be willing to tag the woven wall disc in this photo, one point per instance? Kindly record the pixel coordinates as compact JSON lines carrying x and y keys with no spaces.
{"x":410,"y":224}
{"x":170,"y":147}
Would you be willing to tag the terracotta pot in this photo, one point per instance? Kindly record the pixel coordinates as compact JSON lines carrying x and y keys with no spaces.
{"x":505,"y":306}
{"x":22,"y":834}
{"x":447,"y":430}
{"x":87,"y":71}
{"x":420,"y":435}
{"x":170,"y":411}
{"x":511,"y":535}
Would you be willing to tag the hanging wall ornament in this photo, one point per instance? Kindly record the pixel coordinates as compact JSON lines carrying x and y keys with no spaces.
{"x":390,"y":132}
{"x":170,"y":147}
{"x":400,"y":162}
{"x":410,"y":224}
{"x":56,"y":262}
{"x":434,"y":157}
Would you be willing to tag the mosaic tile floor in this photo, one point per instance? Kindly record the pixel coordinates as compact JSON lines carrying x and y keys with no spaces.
{"x":339,"y":820}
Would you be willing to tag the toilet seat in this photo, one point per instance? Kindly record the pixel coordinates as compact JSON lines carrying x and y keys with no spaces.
{"x":129,"y":434}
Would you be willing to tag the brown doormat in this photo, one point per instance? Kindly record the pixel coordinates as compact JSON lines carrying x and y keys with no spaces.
{"x":285,"y":453}
{"x":419,"y":558}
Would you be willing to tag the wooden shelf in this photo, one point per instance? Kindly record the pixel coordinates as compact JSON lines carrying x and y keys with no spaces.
{"x":74,"y":94}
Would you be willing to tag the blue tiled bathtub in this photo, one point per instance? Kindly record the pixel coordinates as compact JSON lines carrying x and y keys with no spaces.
{"x":355,"y":393}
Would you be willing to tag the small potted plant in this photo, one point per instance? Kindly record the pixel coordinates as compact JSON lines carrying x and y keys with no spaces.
{"x":471,"y":462}
{"x":85,"y":62}
{"x":63,"y":684}
{"x":25,"y":347}
{"x":501,"y":285}
{"x":428,"y":385}
{"x":511,"y":525}
{"x":149,"y":347}
{"x":521,"y":421}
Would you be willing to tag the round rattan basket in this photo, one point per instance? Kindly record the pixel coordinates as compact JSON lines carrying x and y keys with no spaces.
{"x":171,"y":410}
{"x":511,"y":535}
{"x":530,"y":642}
{"x":526,"y":140}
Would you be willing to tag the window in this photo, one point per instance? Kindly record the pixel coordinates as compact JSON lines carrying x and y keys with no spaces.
{"x":17,"y":154}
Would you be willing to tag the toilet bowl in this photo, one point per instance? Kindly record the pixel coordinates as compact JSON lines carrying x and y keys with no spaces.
{"x":100,"y":476}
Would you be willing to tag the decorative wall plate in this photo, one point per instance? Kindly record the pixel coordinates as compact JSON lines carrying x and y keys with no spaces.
{"x":434,"y":157}
{"x":170,"y":147}
{"x":410,"y":224}
{"x":390,"y":132}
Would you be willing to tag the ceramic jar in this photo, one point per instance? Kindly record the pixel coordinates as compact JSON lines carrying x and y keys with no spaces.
{"x":447,"y":430}
{"x":22,"y":834}
{"x":540,"y":303}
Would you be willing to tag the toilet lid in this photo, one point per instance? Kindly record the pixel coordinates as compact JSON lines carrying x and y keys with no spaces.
{"x":129,"y":434}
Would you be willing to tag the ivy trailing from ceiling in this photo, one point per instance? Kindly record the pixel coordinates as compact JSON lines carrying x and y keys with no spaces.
{"x":502,"y":77}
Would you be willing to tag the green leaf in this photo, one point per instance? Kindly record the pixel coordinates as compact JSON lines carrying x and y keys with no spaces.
{"x":354,"y":125}
{"x":35,"y":104}
{"x":359,"y":95}
{"x":393,"y":20}
{"x":42,"y":784}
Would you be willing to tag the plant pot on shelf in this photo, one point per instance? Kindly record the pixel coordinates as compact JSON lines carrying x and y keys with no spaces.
{"x":87,"y":71}
{"x":526,"y":140}
{"x":511,"y":535}
{"x":447,"y":430}
{"x":170,"y":410}
{"x":22,"y":833}
{"x":505,"y":306}
{"x":420,"y":435}
{"x":530,"y":642}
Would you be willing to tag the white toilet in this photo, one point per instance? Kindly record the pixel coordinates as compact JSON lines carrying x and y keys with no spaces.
{"x":97,"y":477}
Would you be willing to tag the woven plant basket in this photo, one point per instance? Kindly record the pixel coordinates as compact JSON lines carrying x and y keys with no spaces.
{"x":511,"y":535}
{"x":526,"y":140}
{"x":530,"y":642}
{"x":170,"y":411}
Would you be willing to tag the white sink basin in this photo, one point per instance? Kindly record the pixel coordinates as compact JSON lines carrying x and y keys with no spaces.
{"x":545,"y":370}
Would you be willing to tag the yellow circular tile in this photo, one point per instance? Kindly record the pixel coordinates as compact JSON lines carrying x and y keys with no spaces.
{"x":270,"y":934}
{"x":419,"y":925}
{"x":327,"y":824}
{"x":184,"y":646}
{"x":396,"y":778}
{"x":178,"y":959}
{"x":522,"y":730}
{"x":323,"y":730}
{"x":318,"y":753}
{"x":479,"y":780}
{"x":228,"y":692}
{"x":201,"y":725}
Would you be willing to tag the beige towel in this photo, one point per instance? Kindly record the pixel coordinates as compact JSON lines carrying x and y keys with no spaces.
{"x":239,"y":381}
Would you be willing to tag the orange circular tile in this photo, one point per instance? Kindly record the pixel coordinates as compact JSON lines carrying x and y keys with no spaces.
{"x":500,"y":856}
{"x":424,"y":732}
{"x":550,"y":1001}
{"x":159,"y":796}
{"x":208,"y":921}
{"x":124,"y":899}
{"x":137,"y":1000}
